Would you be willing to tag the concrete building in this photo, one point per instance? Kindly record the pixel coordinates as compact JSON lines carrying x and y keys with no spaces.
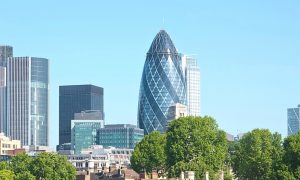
{"x":7,"y":144}
{"x":176,"y":111}
{"x":98,"y":158}
{"x":119,"y":135}
{"x":293,"y":120}
{"x":84,"y":129}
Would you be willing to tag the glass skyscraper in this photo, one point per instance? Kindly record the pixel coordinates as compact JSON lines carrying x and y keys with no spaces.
{"x":27,"y":100}
{"x":162,"y":85}
{"x":293,"y":120}
{"x":192,"y":77}
{"x":75,"y":99}
{"x":5,"y":53}
{"x":119,"y":136}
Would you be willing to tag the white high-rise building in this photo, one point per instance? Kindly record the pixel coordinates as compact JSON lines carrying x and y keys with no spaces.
{"x":192,"y":78}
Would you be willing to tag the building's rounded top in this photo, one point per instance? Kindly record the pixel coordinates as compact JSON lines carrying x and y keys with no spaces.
{"x":162,"y":43}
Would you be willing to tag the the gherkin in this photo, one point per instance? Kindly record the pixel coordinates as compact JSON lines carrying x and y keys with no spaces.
{"x":162,"y":84}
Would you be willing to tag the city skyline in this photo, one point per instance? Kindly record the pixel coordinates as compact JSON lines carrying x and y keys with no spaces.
{"x":247,"y":52}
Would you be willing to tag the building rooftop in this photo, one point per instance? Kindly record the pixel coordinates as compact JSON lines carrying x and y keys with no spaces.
{"x":162,"y":43}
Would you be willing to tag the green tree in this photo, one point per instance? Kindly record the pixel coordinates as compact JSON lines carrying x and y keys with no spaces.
{"x":195,"y":143}
{"x":4,"y":165}
{"x":292,"y":154}
{"x":258,"y":155}
{"x":20,"y":163}
{"x":149,"y":154}
{"x":50,"y":166}
{"x":6,"y":174}
{"x":24,"y":176}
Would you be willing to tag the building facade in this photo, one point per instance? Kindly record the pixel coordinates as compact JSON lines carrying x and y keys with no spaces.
{"x":192,"y":78}
{"x":6,"y":144}
{"x":5,"y":53}
{"x":74,"y":99}
{"x":119,"y":135}
{"x":84,"y":129}
{"x":293,"y":120}
{"x":176,"y":111}
{"x":98,"y":158}
{"x":27,"y":100}
{"x":162,"y":84}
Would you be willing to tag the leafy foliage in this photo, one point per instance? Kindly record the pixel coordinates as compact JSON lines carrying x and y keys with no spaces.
{"x":51,"y":166}
{"x":6,"y":174}
{"x":149,"y":154}
{"x":44,"y":166}
{"x":258,"y":155}
{"x":292,"y":154}
{"x":195,"y":143}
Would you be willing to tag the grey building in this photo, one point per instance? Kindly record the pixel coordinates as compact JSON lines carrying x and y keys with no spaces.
{"x":74,"y":99}
{"x":27,"y":100}
{"x":5,"y":53}
{"x":119,"y":135}
{"x":293,"y":120}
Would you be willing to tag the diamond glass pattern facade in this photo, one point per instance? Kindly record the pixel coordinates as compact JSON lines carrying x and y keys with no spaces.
{"x":293,"y":120}
{"x":162,"y":84}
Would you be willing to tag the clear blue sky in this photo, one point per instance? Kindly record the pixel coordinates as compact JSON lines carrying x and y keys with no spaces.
{"x":248,"y":52}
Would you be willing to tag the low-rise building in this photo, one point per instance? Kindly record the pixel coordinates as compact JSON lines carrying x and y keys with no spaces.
{"x":7,"y":144}
{"x":119,"y":136}
{"x":98,"y":158}
{"x":84,"y":129}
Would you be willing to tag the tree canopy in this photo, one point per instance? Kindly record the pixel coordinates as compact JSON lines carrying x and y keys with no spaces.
{"x":259,"y":155}
{"x":149,"y":154}
{"x":195,"y":143}
{"x":44,"y":166}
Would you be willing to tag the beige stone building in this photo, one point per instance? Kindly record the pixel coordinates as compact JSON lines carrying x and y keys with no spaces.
{"x":176,"y":111}
{"x":7,"y":144}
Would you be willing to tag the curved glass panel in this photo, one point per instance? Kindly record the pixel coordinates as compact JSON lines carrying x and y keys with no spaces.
{"x":162,"y":84}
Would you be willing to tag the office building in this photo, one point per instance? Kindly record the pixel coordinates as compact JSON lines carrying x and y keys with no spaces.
{"x":84,"y":129}
{"x":192,"y":78}
{"x":162,"y":84}
{"x":119,"y":135}
{"x":27,"y":100}
{"x":293,"y":120}
{"x":5,"y":53}
{"x":7,"y":144}
{"x":74,"y":99}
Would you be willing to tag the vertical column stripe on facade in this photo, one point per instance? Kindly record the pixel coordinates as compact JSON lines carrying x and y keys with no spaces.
{"x":27,"y":115}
